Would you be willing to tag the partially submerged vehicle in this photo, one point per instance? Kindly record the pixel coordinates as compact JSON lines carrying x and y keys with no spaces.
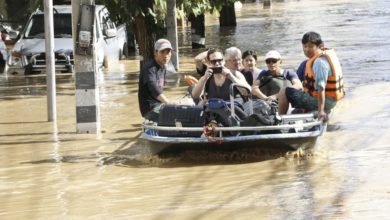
{"x":28,"y":54}
{"x":220,"y":123}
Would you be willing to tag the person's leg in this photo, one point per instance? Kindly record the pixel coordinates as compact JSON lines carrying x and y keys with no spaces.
{"x":153,"y":114}
{"x":282,"y":102}
{"x":300,"y":99}
{"x":330,"y":103}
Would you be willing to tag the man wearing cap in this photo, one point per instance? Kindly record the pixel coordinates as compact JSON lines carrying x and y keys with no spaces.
{"x":269,"y":82}
{"x":151,"y":81}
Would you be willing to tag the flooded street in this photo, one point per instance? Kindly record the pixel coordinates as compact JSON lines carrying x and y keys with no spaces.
{"x":49,"y":172}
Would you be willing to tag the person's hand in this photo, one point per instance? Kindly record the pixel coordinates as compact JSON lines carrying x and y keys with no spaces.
{"x":226,"y":72}
{"x":323,"y":116}
{"x":272,"y":98}
{"x":208,"y":73}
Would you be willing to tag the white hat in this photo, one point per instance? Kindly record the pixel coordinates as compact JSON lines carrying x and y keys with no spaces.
{"x":273,"y":54}
{"x":162,"y":44}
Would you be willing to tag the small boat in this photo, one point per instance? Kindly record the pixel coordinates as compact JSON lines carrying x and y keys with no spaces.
{"x":185,"y":126}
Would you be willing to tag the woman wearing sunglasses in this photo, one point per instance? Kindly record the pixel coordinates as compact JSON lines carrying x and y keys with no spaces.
{"x":269,"y":82}
{"x":216,"y":81}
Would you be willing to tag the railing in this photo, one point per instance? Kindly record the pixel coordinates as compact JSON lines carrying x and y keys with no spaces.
{"x":256,"y":128}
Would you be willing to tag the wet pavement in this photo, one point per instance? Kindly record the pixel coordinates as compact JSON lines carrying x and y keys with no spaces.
{"x":48,"y":171}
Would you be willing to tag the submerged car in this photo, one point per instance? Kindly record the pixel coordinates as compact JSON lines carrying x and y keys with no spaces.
{"x":28,"y":54}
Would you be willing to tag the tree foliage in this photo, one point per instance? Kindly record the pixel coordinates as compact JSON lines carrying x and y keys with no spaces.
{"x":127,"y":10}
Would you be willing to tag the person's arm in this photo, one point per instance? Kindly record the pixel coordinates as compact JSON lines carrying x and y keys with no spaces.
{"x":322,"y":69}
{"x":297,"y":84}
{"x":256,"y":90}
{"x":163,"y":99}
{"x":322,"y":115}
{"x":199,"y":87}
{"x":200,"y":59}
{"x":238,"y":78}
{"x":294,"y":79}
{"x":156,"y":92}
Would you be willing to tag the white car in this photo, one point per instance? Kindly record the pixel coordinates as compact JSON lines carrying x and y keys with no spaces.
{"x":28,"y":54}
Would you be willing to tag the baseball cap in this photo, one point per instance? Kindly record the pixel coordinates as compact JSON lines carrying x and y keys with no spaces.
{"x":273,"y":54}
{"x":162,"y":44}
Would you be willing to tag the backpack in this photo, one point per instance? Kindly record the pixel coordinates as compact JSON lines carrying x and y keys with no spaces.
{"x":219,"y":112}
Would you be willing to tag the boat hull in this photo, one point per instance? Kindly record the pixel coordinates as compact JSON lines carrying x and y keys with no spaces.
{"x":292,"y":140}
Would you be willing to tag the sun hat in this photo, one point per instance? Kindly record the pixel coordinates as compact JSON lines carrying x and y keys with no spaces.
{"x":162,"y":44}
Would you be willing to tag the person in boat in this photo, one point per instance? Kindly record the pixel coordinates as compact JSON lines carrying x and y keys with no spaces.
{"x":233,"y":58}
{"x":216,"y":81}
{"x":250,"y":71}
{"x":323,"y":81}
{"x":270,"y":81}
{"x":151,"y":81}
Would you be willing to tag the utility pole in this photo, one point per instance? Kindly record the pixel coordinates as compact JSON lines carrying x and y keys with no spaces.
{"x":267,"y":4}
{"x":87,"y":90}
{"x":50,"y":62}
{"x":198,"y":34}
{"x":172,"y":31}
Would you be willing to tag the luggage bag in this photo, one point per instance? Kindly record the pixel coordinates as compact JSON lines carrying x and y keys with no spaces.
{"x":181,"y":116}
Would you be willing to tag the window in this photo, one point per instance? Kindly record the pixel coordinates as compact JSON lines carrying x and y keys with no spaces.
{"x":62,"y":26}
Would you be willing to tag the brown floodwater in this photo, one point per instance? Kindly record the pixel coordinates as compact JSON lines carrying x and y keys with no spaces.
{"x":49,"y":172}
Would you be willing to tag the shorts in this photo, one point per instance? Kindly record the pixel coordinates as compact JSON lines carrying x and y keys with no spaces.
{"x":300,"y":99}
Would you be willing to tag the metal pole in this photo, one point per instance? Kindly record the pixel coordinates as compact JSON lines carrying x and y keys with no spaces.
{"x":267,"y":4}
{"x":172,"y":31}
{"x":50,"y":64}
{"x":86,"y":74}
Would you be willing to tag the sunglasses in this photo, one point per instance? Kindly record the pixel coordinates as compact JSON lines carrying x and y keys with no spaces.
{"x":268,"y":61}
{"x":216,"y":61}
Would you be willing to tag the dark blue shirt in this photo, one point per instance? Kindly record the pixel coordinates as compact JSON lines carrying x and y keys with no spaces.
{"x":289,"y":75}
{"x":150,"y":86}
{"x":301,"y":70}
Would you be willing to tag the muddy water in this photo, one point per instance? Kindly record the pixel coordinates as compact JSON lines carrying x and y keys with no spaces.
{"x":49,"y":172}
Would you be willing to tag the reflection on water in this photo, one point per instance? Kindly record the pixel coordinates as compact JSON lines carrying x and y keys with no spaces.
{"x":51,"y":172}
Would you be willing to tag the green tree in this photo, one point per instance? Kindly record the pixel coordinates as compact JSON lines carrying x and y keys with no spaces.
{"x":146,"y":18}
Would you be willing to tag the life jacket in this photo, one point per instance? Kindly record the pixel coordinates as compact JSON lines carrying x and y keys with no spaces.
{"x":334,"y":86}
{"x":190,"y":80}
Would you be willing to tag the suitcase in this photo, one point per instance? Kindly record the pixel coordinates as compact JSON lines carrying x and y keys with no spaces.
{"x":181,"y":116}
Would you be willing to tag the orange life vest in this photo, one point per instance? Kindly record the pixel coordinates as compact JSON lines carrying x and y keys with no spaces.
{"x":190,"y":80}
{"x":334,"y":85}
